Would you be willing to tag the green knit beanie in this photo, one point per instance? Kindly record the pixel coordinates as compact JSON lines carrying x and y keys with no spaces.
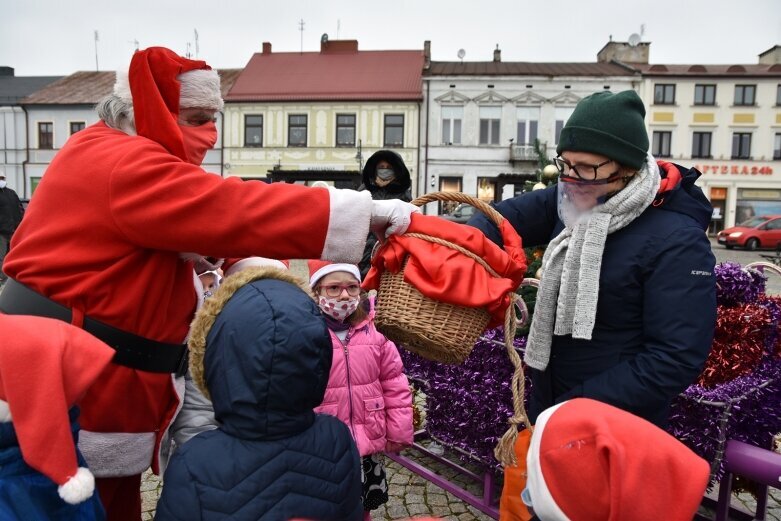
{"x":610,"y":125}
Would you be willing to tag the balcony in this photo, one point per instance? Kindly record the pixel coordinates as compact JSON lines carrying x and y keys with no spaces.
{"x":524,"y":153}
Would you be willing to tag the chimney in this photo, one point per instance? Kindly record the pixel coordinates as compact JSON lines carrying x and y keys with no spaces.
{"x":426,"y":54}
{"x":497,"y":54}
{"x":338,"y":46}
{"x":266,"y":47}
{"x":771,"y":56}
{"x":624,"y":52}
{"x":6,"y":71}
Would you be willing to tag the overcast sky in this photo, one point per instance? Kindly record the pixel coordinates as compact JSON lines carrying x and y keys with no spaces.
{"x":57,"y":37}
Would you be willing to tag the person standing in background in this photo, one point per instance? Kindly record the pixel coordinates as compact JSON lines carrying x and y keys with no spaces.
{"x":11,"y":212}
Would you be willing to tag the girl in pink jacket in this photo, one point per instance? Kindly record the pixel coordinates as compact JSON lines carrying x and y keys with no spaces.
{"x":367,"y":387}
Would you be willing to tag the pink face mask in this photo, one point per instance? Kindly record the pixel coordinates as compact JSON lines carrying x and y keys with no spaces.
{"x":199,"y":140}
{"x":338,"y":309}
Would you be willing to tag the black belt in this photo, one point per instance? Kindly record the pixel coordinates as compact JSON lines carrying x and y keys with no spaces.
{"x":132,"y":350}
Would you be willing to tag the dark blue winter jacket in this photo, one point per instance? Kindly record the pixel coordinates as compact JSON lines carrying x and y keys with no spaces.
{"x":266,"y":365}
{"x":657,"y":304}
{"x":28,"y":495}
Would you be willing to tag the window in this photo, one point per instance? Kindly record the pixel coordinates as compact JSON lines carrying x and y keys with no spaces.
{"x":704,"y":94}
{"x":528,"y":120}
{"x":701,"y":144}
{"x":449,"y":184}
{"x":451,"y":125}
{"x":490,"y":118}
{"x":76,"y":126}
{"x":661,"y":143}
{"x":253,"y":131}
{"x":562,"y":115}
{"x":777,"y":147}
{"x":46,"y":135}
{"x":741,"y":145}
{"x":778,"y":96}
{"x":486,"y":189}
{"x":664,"y":94}
{"x":296,"y":130}
{"x":394,"y":130}
{"x":744,"y":94}
{"x":345,"y":130}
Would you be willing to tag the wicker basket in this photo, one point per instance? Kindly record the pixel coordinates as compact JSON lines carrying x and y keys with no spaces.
{"x":434,"y":330}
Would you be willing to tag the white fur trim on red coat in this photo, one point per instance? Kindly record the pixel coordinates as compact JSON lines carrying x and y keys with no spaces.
{"x":78,"y":488}
{"x":348,"y":225}
{"x":117,"y":454}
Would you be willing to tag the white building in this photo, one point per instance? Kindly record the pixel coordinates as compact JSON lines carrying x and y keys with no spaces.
{"x":480,"y":120}
{"x":13,"y":142}
{"x":724,"y":120}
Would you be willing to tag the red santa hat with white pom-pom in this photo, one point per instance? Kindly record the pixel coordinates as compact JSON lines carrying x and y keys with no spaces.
{"x":46,"y":366}
{"x":320,"y":268}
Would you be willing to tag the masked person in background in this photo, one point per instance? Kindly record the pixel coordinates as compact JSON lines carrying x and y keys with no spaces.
{"x":101,"y":247}
{"x":385,"y":176}
{"x":626,"y":308}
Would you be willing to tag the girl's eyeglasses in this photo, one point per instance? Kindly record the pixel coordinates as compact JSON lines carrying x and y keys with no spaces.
{"x":334,"y":290}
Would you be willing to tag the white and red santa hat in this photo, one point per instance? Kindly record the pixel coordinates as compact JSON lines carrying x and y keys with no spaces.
{"x":46,"y":366}
{"x":158,"y":83}
{"x":320,"y":268}
{"x":589,"y":461}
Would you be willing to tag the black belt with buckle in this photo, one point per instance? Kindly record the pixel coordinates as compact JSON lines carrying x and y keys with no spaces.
{"x":132,"y":350}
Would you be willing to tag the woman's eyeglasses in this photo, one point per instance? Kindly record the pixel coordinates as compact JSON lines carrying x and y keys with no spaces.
{"x":585,"y":172}
{"x":334,"y":290}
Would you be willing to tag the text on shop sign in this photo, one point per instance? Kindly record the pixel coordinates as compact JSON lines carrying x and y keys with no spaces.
{"x":735,"y":169}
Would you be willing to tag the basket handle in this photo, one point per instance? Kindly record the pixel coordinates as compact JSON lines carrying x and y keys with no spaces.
{"x":460,"y":197}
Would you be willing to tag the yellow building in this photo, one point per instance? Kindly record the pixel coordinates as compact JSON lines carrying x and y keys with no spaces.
{"x":317,"y":116}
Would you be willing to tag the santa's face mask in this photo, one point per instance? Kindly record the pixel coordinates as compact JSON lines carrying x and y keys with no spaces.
{"x":337,"y":308}
{"x":198,"y":140}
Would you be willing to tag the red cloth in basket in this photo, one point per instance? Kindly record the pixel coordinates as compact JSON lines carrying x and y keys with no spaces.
{"x":447,"y":275}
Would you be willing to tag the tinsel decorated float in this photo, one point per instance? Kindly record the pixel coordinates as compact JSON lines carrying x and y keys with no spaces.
{"x":737,"y":396}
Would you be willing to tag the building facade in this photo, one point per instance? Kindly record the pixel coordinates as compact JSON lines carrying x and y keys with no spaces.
{"x":13,"y":133}
{"x":481,"y":120}
{"x":724,"y":120}
{"x":317,"y":116}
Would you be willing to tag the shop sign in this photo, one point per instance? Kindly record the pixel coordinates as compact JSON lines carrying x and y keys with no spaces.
{"x":735,"y":169}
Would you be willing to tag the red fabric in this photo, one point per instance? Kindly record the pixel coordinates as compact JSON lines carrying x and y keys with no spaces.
{"x":103,"y":235}
{"x":671,"y":179}
{"x":120,"y":497}
{"x":155,"y":91}
{"x":446,"y":275}
{"x":46,"y":366}
{"x":601,"y":463}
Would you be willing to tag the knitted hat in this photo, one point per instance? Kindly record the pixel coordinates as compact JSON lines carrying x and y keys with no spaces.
{"x":319,"y":269}
{"x":610,"y":125}
{"x":46,"y":366}
{"x":589,"y":461}
{"x":158,"y":83}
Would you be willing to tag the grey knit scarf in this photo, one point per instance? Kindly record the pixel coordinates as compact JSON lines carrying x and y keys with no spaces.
{"x":567,"y":297}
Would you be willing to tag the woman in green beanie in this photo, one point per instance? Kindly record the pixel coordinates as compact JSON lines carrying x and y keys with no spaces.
{"x":626,"y":308}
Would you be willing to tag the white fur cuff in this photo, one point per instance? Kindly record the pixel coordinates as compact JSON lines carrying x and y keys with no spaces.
{"x":348,"y":225}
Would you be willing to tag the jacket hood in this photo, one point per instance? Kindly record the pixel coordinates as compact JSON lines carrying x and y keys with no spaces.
{"x":678,"y":193}
{"x":401,"y":184}
{"x":261,"y":351}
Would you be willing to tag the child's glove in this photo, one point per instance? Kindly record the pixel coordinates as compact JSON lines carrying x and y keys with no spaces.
{"x":391,"y":217}
{"x":392,"y":446}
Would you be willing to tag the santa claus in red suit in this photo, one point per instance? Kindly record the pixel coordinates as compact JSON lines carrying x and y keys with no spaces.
{"x":101,"y":244}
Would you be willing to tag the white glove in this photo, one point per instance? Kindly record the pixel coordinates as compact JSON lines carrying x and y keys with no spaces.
{"x":391,"y":217}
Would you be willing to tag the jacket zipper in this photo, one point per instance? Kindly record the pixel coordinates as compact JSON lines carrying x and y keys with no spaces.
{"x":349,"y":384}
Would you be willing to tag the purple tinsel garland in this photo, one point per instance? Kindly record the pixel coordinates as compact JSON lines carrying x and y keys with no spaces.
{"x":735,"y":285}
{"x":468,"y":404}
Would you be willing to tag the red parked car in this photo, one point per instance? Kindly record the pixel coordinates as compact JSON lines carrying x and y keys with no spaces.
{"x":762,"y":231}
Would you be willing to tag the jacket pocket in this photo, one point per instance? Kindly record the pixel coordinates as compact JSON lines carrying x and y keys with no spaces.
{"x":374,"y":410}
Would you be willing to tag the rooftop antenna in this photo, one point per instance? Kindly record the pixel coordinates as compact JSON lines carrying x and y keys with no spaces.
{"x":197,"y":49}
{"x":642,"y":30}
{"x":135,"y":44}
{"x":301,"y":28}
{"x":187,"y":53}
{"x":338,"y":27}
{"x":461,"y":54}
{"x":96,"y":50}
